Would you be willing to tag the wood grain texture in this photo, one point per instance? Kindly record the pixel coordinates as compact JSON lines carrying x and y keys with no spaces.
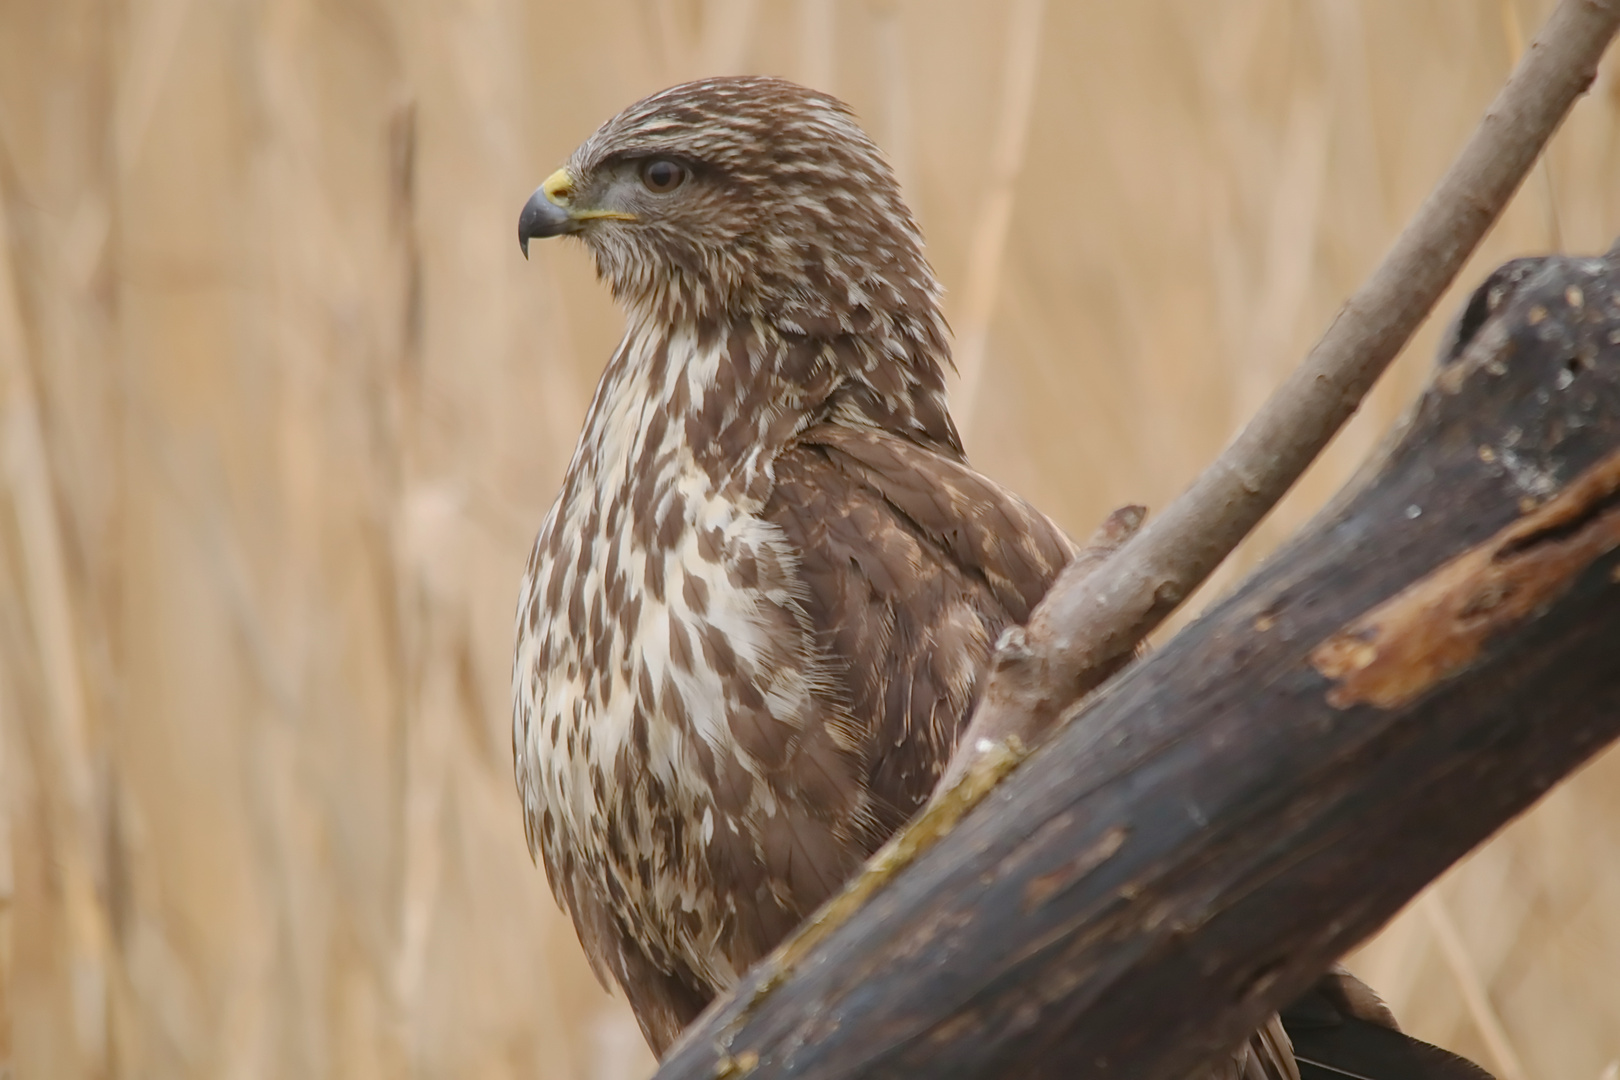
{"x":302,"y":400}
{"x":1197,"y":846}
{"x":1098,"y":620}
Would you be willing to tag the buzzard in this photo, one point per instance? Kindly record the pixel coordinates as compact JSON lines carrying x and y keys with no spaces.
{"x":756,"y":617}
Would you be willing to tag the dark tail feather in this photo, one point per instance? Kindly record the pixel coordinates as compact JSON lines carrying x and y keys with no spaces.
{"x":1332,"y":1044}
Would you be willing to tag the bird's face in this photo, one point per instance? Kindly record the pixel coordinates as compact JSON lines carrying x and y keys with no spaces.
{"x":646,"y":207}
{"x":726,"y":195}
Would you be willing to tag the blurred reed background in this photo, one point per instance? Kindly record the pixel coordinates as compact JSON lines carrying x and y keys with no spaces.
{"x":282,"y":407}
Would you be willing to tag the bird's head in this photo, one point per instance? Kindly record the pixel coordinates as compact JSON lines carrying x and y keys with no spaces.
{"x":741,"y":197}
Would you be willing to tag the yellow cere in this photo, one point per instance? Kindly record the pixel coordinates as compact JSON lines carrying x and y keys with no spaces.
{"x":559,"y":188}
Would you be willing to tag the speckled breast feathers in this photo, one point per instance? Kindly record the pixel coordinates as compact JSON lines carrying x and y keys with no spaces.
{"x":753,"y":620}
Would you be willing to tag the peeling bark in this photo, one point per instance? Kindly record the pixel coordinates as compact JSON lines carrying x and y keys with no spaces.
{"x":1191,"y":851}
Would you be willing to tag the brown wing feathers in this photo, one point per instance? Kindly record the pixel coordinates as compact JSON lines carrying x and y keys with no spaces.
{"x":757,"y":618}
{"x":910,"y":574}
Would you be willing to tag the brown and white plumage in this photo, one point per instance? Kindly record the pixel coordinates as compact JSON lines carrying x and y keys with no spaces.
{"x":755,"y":619}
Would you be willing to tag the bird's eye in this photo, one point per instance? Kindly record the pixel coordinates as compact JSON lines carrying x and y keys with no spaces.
{"x":662,"y":176}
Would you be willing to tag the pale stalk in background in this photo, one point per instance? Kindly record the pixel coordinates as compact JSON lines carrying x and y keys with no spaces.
{"x":725,"y":34}
{"x":817,"y":25}
{"x":8,"y":891}
{"x":1509,"y":1066}
{"x":896,"y":120}
{"x":60,"y":735}
{"x":155,"y":36}
{"x":673,"y":52}
{"x":728,"y":28}
{"x":999,"y":182}
{"x":200,"y":230}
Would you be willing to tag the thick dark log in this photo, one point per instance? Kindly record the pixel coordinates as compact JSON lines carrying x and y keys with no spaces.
{"x":1431,"y":654}
{"x":1089,"y":623}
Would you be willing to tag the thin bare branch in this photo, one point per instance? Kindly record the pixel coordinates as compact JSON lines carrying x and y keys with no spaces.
{"x":1236,"y":812}
{"x":1091,"y":623}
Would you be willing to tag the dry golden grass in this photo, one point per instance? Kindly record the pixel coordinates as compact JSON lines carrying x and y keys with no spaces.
{"x":280,"y":408}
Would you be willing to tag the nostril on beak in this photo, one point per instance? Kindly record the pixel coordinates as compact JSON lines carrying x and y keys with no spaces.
{"x":559,"y":187}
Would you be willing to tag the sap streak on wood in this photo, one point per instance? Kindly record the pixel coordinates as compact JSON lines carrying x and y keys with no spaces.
{"x":1431,"y":654}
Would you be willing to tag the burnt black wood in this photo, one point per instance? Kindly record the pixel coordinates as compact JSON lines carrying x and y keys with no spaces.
{"x":1256,"y":832}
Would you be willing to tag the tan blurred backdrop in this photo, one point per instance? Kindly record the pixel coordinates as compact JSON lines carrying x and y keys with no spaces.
{"x":281,"y":407}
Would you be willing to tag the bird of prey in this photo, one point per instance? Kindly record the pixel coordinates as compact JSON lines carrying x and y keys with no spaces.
{"x":757,"y":615}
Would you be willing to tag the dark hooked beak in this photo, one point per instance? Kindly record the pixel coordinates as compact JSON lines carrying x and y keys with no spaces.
{"x":550,"y":211}
{"x":541,"y":218}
